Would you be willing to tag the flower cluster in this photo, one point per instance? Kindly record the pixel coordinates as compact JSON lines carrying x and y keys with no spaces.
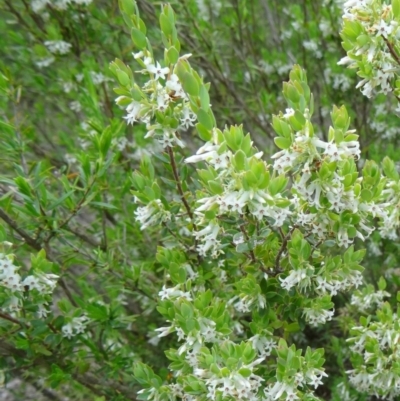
{"x":256,"y":247}
{"x":368,"y":298}
{"x":75,"y":326}
{"x":236,"y":181}
{"x":370,"y":31}
{"x":159,"y":102}
{"x":376,"y":353}
{"x":38,"y":282}
{"x":301,"y":380}
{"x":39,"y":6}
{"x":153,"y":212}
{"x":58,"y":46}
{"x":44,"y":283}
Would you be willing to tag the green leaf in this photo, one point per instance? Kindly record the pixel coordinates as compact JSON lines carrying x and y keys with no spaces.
{"x":97,"y":312}
{"x":127,"y":6}
{"x":104,"y":205}
{"x":203,"y":132}
{"x":382,"y":284}
{"x":292,"y":327}
{"x":59,"y":201}
{"x":123,"y":78}
{"x":245,"y":372}
{"x":243,"y":247}
{"x":204,"y":98}
{"x":366,"y":195}
{"x":282,"y":143}
{"x":166,"y":25}
{"x":277,"y":185}
{"x":240,"y":160}
{"x":186,"y":310}
{"x":396,"y":8}
{"x":215,"y":187}
{"x":6,"y":127}
{"x":138,"y":38}
{"x":205,"y":119}
{"x":190,"y":84}
{"x":172,"y":55}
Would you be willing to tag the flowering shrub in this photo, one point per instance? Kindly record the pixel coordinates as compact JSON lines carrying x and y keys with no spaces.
{"x":153,"y":252}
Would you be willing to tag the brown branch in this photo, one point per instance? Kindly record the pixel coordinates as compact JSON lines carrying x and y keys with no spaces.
{"x":13,"y":224}
{"x":107,"y":99}
{"x":282,"y":249}
{"x":68,"y":293}
{"x":392,"y":50}
{"x":179,"y":185}
{"x":38,"y":21}
{"x":175,"y":236}
{"x":5,"y":316}
{"x":85,"y":238}
{"x":253,"y":257}
{"x":52,"y":328}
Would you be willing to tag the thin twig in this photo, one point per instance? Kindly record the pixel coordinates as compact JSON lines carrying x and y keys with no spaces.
{"x":5,"y":316}
{"x":13,"y":224}
{"x":392,"y":50}
{"x":179,"y":185}
{"x":68,"y":293}
{"x":17,"y":131}
{"x":282,"y":248}
{"x":242,"y":229}
{"x":73,"y":213}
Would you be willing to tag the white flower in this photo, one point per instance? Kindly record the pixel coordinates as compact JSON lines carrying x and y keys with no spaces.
{"x":138,"y":55}
{"x":275,"y":391}
{"x":305,"y":219}
{"x":284,"y":159}
{"x":151,"y":214}
{"x":332,"y":151}
{"x":188,"y":118}
{"x":157,"y":70}
{"x":75,"y":326}
{"x":39,"y":5}
{"x":75,"y":106}
{"x":164,"y":331}
{"x":336,"y":200}
{"x":289,"y":113}
{"x":206,"y":152}
{"x":42,"y":311}
{"x":262,"y":345}
{"x":343,"y":239}
{"x":45,"y":62}
{"x":295,"y":277}
{"x":58,"y":46}
{"x":67,"y":330}
{"x":162,"y":103}
{"x":133,"y":110}
{"x":317,"y":316}
{"x":383,"y":29}
{"x":173,"y":293}
{"x":84,"y":2}
{"x":174,"y":85}
{"x":98,"y":78}
{"x":220,"y":161}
